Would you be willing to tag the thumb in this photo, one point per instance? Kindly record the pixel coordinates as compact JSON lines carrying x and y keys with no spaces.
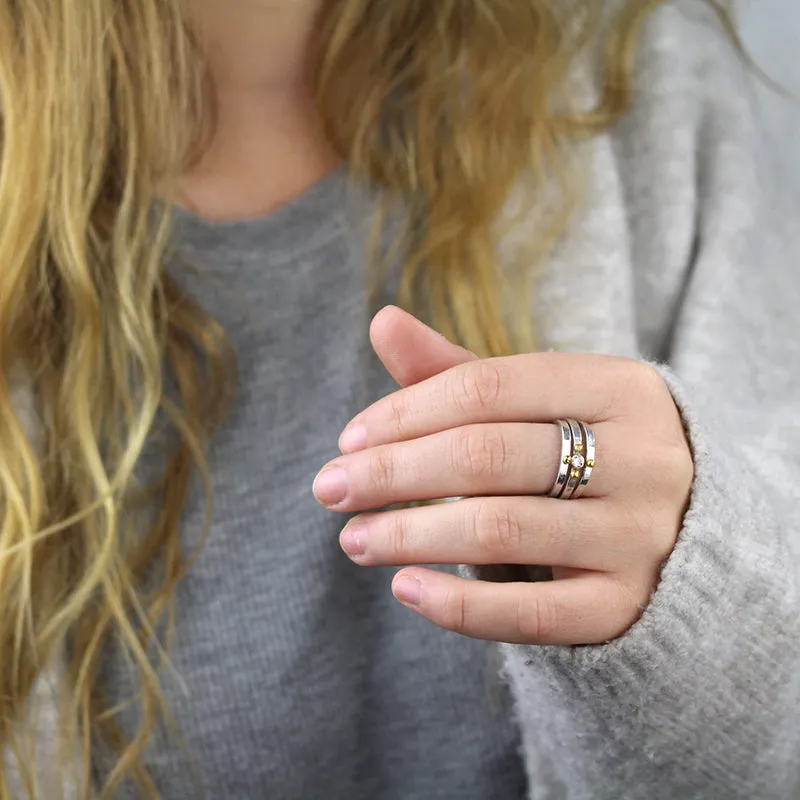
{"x":410,"y":350}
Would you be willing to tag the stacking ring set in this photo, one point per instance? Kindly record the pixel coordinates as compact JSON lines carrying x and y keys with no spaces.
{"x":577,"y":460}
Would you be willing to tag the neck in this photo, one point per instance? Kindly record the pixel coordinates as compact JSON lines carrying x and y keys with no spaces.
{"x":268,"y":145}
{"x":257,"y":46}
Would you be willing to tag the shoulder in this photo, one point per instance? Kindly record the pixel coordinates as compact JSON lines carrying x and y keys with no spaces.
{"x":690,"y":34}
{"x":695,"y":106}
{"x":691,"y":91}
{"x":688,"y":61}
{"x":690,"y":69}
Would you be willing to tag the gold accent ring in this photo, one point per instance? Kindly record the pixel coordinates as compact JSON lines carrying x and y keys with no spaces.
{"x":577,"y":462}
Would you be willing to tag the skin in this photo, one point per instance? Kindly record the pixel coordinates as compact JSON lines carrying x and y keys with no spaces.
{"x":268,"y":146}
{"x":483,"y":429}
{"x":458,"y":426}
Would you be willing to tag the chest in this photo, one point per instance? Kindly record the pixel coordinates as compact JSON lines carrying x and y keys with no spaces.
{"x":295,"y":673}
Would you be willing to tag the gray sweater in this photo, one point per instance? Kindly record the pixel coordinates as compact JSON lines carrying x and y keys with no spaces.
{"x":302,"y":678}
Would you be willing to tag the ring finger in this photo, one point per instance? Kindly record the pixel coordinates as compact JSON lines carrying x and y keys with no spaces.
{"x":484,"y":459}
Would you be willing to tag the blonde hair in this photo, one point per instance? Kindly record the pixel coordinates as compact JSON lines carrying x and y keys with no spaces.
{"x":444,"y":103}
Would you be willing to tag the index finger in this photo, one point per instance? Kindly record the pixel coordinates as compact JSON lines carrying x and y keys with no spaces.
{"x":536,"y":387}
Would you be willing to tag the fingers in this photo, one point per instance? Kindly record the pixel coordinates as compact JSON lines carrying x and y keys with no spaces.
{"x":539,"y":387}
{"x":490,"y":530}
{"x":589,"y":609}
{"x":410,"y":350}
{"x":508,"y":459}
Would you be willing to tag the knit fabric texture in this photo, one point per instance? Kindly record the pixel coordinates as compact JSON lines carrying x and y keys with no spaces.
{"x":300,"y":677}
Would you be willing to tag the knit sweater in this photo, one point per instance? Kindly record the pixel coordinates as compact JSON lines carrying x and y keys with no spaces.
{"x":300,"y":676}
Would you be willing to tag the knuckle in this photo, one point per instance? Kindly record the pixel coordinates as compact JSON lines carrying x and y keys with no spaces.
{"x":538,"y":617}
{"x":396,"y":534}
{"x":637,"y":383}
{"x":479,"y":387}
{"x":481,"y":452}
{"x":497,"y":530}
{"x":398,"y":414}
{"x":681,"y":467}
{"x":382,"y":471}
{"x":625,"y":603}
{"x":650,"y":378}
{"x":645,"y":377}
{"x":643,"y":534}
{"x":454,"y":612}
{"x":671,"y":468}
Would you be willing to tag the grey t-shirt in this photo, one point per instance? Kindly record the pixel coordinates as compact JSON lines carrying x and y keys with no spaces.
{"x":300,"y":675}
{"x":304,"y":679}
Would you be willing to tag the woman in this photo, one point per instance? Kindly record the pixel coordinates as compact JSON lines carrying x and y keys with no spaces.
{"x":182,"y":182}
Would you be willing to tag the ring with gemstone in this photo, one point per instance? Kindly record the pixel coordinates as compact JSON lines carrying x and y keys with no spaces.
{"x":577,"y":459}
{"x":590,"y":460}
{"x":564,"y":460}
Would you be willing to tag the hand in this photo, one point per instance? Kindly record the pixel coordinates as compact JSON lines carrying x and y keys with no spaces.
{"x":483,"y":429}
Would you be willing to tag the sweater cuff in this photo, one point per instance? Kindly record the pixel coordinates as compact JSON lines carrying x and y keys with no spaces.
{"x":722,"y":622}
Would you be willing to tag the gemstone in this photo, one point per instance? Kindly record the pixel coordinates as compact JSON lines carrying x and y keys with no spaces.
{"x":578,"y":461}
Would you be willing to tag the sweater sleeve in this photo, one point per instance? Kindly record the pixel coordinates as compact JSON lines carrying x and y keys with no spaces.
{"x":701,"y":698}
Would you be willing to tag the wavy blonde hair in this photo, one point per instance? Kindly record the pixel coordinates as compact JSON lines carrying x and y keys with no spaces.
{"x":445,"y":104}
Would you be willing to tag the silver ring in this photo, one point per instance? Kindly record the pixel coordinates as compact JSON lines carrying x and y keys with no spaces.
{"x":577,"y":460}
{"x":591,"y":460}
{"x":564,"y":460}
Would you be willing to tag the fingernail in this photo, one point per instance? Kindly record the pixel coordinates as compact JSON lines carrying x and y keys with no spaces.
{"x":330,"y":486}
{"x":408,"y":590}
{"x":353,"y":538}
{"x":353,"y":438}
